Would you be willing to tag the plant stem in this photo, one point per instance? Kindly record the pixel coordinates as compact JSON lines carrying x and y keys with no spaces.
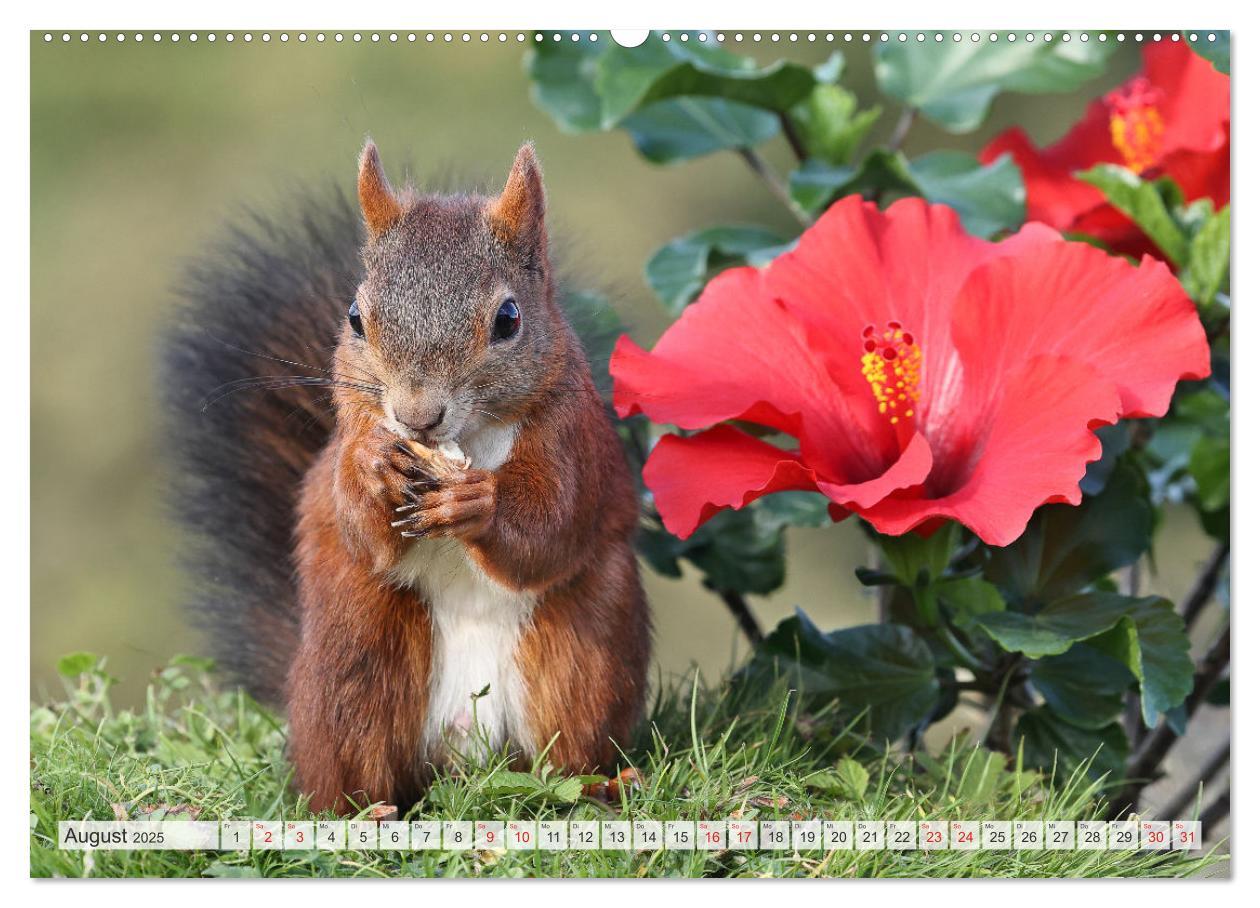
{"x":959,"y":651}
{"x":997,"y":735}
{"x":1146,"y":762}
{"x":1204,"y":585}
{"x":902,"y":128}
{"x":776,"y":186}
{"x":1183,"y":799}
{"x":793,"y":137}
{"x":744,"y":617}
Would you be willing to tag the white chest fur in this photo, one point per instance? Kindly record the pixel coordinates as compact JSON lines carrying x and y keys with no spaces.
{"x":476,"y":625}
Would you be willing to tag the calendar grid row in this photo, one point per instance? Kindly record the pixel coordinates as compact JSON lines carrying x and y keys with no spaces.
{"x":633,"y":835}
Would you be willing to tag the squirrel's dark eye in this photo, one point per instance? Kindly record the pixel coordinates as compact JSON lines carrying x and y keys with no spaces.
{"x":356,"y":323}
{"x":507,"y":321}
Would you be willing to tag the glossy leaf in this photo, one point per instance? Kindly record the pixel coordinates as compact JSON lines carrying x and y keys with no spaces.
{"x":630,"y":79}
{"x":988,"y":198}
{"x":1151,"y":640}
{"x":798,"y":509}
{"x":1066,"y":548}
{"x":678,"y":271}
{"x":734,"y":551}
{"x":884,"y":670}
{"x":953,"y":83}
{"x":967,"y":598}
{"x":1115,"y":441}
{"x":1208,"y":259}
{"x":685,"y":128}
{"x":1209,"y":465}
{"x":562,"y":77}
{"x":1084,"y":685}
{"x":1049,"y":743}
{"x":1145,"y":203}
{"x":1146,"y":635}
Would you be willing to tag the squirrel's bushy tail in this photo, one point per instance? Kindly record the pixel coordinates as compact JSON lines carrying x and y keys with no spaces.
{"x":245,"y":418}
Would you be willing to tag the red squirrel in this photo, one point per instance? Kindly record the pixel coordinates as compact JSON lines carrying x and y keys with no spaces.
{"x":342,"y":577}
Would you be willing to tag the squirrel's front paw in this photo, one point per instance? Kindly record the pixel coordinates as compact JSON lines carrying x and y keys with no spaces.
{"x":388,"y":469}
{"x":461,"y":506}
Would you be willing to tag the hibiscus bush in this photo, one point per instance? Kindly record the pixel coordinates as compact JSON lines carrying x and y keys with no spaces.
{"x":1004,"y":365}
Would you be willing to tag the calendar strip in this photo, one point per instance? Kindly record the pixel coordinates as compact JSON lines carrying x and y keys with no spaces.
{"x":814,"y":835}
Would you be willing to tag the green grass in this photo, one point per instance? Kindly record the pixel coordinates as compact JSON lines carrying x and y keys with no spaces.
{"x":704,"y":753}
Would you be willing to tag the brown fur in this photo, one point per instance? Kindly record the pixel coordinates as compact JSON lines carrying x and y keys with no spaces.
{"x":557,"y":518}
{"x":381,"y":208}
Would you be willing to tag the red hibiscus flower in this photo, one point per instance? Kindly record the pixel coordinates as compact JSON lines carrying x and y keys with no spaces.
{"x":926,"y":373}
{"x":1172,"y":120}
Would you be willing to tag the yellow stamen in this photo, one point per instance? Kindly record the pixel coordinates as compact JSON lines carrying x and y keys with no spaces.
{"x":890,"y":364}
{"x":1137,"y":128}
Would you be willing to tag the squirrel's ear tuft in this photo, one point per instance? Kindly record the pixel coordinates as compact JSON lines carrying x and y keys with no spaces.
{"x":516,"y":216}
{"x":381,"y":208}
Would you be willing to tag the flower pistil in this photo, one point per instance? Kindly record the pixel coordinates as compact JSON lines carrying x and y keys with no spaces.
{"x":1137,"y":129}
{"x":891,"y":361}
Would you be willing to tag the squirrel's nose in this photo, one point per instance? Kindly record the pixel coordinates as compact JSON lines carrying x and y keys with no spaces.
{"x":421,"y":417}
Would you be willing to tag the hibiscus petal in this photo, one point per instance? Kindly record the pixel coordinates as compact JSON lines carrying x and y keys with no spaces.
{"x":1039,"y":440}
{"x":693,"y":478}
{"x":1195,"y":97}
{"x":1134,"y":325}
{"x":860,"y":266}
{"x":738,"y":353}
{"x":1053,"y":194}
{"x":731,"y":355}
{"x":910,"y":469}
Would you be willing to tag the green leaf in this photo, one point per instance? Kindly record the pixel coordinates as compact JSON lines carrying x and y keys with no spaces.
{"x":1209,"y":465}
{"x":967,"y":598}
{"x":1208,"y":263}
{"x":1055,"y":628}
{"x":1067,"y":548}
{"x":1115,"y":441}
{"x":734,"y":551}
{"x":917,"y":560}
{"x":816,"y":183}
{"x":686,"y":128}
{"x":679,"y":270}
{"x":953,"y":83}
{"x":75,"y":664}
{"x":854,"y":779}
{"x":1084,"y":685}
{"x":988,"y":198}
{"x":1215,"y":52}
{"x":631,"y":78}
{"x":507,"y":782}
{"x":1151,"y":640}
{"x":1146,"y":205}
{"x":830,"y":125}
{"x":1146,"y":635}
{"x":566,"y":791}
{"x":883,"y":670}
{"x":798,"y":509}
{"x":562,"y":75}
{"x":1051,"y":743}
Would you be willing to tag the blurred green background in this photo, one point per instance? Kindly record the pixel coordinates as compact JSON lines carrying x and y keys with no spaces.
{"x":140,"y":152}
